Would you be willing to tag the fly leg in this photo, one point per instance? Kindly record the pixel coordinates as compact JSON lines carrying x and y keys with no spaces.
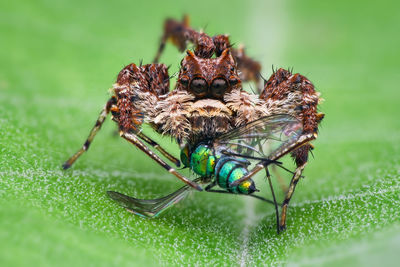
{"x":274,"y":198}
{"x":208,"y":187}
{"x":137,"y":91}
{"x":279,"y":178}
{"x":255,"y":196}
{"x":280,"y":152}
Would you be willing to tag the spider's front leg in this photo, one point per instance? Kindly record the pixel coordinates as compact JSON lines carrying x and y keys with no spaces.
{"x":136,"y":93}
{"x":99,"y":122}
{"x":131,"y":118}
{"x":294,"y":94}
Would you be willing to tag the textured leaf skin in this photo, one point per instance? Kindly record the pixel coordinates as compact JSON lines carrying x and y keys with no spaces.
{"x":59,"y":59}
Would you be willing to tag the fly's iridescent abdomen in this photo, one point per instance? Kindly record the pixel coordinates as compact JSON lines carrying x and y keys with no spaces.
{"x":206,"y":162}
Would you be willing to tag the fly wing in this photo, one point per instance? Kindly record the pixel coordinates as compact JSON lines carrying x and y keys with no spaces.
{"x":149,"y":208}
{"x":260,"y":137}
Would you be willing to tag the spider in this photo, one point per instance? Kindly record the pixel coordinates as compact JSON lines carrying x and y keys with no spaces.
{"x":208,"y":106}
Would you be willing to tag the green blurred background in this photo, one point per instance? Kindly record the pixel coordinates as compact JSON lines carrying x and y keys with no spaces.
{"x":57,"y":60}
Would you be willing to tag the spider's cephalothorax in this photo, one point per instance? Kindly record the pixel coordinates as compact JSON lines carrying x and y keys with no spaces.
{"x":207,"y":109}
{"x":206,"y":81}
{"x":208,"y":78}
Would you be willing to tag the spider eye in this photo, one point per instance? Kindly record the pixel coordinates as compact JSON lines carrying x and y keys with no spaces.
{"x":184,"y":81}
{"x":198,"y":86}
{"x":233,"y":81}
{"x":218,"y":87}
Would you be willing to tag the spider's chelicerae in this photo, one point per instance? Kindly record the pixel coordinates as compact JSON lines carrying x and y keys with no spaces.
{"x":221,"y":128}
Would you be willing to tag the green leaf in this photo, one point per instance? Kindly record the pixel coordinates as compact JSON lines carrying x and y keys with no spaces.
{"x":59,"y":59}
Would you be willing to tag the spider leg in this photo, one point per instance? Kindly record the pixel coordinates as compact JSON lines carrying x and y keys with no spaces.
{"x":154,"y":144}
{"x":294,"y":94}
{"x":289,"y":194}
{"x":299,"y":145}
{"x":175,"y":31}
{"x":132,"y":138}
{"x":249,"y":68}
{"x":133,"y":83}
{"x":180,"y":33}
{"x":96,"y":128}
{"x":100,"y":120}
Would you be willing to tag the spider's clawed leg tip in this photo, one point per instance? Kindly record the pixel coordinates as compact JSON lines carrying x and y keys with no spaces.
{"x":196,"y":186}
{"x":280,"y":230}
{"x":66,"y":166}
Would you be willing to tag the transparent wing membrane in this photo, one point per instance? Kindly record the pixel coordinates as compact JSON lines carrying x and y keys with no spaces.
{"x":149,"y":208}
{"x":259,"y":138}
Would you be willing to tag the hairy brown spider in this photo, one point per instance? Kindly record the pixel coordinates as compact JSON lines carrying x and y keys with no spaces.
{"x":207,"y":102}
